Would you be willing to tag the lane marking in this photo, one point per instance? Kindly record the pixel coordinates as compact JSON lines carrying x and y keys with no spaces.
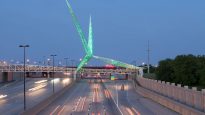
{"x":138,"y":113}
{"x":76,"y":106}
{"x":97,"y":94}
{"x":129,"y":111}
{"x":54,"y":110}
{"x":105,"y":94}
{"x":59,"y":113}
{"x":78,"y":103}
{"x":82,"y":107}
{"x":115,"y":102}
{"x":108,"y":93}
{"x":94,"y":94}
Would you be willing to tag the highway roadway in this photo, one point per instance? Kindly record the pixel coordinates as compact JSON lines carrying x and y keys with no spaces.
{"x":130,"y":102}
{"x":83,"y":98}
{"x":94,"y":97}
{"x":37,"y":89}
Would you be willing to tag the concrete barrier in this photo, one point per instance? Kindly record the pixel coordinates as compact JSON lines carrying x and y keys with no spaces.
{"x":180,"y":99}
{"x":39,"y":107}
{"x":1,"y":77}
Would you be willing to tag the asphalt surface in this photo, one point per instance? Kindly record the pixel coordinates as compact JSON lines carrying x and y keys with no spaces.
{"x":131,"y":103}
{"x":104,"y":98}
{"x":12,"y":104}
{"x":83,"y":98}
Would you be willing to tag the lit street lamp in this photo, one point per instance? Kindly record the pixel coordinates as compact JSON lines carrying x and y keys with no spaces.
{"x":24,"y":79}
{"x":53,"y":70}
{"x":27,"y":61}
{"x":48,"y":61}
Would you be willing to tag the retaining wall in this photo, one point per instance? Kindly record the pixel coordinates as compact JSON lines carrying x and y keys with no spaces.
{"x":175,"y":97}
{"x":1,"y":77}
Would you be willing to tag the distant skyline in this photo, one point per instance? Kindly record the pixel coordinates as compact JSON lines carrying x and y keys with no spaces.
{"x":121,"y":29}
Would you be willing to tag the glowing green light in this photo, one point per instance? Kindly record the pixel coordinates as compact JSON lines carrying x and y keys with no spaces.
{"x":88,"y":46}
{"x":112,"y":77}
{"x":90,"y":38}
{"x":116,"y":63}
{"x":77,"y":25}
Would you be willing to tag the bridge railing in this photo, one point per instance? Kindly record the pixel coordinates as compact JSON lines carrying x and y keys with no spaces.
{"x":31,"y":68}
{"x":37,"y":68}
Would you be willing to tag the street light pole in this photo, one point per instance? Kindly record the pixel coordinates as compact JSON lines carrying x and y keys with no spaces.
{"x":24,"y":78}
{"x":135,"y":75}
{"x":72,"y":61}
{"x":116,"y":88}
{"x":66,"y":62}
{"x":135,"y":70}
{"x":53,"y":70}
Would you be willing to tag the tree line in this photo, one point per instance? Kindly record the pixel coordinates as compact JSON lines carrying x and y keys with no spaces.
{"x":184,"y":69}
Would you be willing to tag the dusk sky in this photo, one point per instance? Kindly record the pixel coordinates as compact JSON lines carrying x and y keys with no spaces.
{"x":121,"y":28}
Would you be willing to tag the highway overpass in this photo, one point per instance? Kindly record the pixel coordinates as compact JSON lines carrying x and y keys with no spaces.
{"x":15,"y":72}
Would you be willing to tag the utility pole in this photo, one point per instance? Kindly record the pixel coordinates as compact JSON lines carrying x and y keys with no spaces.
{"x":148,"y":57}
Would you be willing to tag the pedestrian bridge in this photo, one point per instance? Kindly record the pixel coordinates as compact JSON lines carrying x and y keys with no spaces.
{"x":39,"y":68}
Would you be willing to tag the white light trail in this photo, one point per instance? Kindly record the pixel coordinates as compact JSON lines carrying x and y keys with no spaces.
{"x":56,"y":80}
{"x":36,"y":88}
{"x":2,"y":96}
{"x":66,"y":81}
{"x":41,"y":81}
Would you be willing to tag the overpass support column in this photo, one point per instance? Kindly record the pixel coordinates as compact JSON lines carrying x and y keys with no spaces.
{"x":48,"y":74}
{"x":74,"y":75}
